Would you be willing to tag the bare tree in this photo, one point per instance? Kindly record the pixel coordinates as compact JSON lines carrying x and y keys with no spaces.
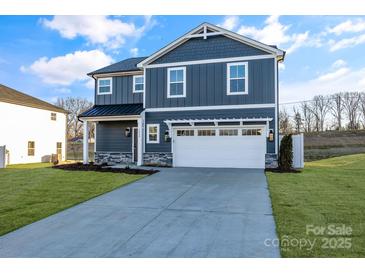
{"x":362,"y":108}
{"x":75,"y":106}
{"x":284,"y":122}
{"x":307,"y":117}
{"x":351,"y":106}
{"x":319,"y":107}
{"x":336,"y":107}
{"x":297,"y":119}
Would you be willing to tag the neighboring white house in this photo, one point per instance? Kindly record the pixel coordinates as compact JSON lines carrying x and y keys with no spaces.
{"x":31,"y":129}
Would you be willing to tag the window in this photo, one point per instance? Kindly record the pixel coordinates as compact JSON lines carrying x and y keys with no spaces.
{"x":206,"y":132}
{"x":176,"y":84}
{"x":59,"y":148}
{"x":251,"y":131}
{"x":53,"y":116}
{"x":104,"y":86}
{"x":228,"y":132}
{"x":237,"y":78}
{"x":153,"y":133}
{"x":138,"y":83}
{"x":31,"y":148}
{"x":185,"y":132}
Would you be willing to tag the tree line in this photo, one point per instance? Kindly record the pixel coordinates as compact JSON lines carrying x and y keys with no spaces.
{"x":75,"y":106}
{"x":339,"y":111}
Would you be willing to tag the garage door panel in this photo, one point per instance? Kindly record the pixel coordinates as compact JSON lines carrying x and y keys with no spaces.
{"x":220,"y":151}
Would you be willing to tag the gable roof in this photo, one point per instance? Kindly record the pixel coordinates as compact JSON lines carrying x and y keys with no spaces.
{"x":129,"y":64}
{"x":205,"y":30}
{"x":12,"y":96}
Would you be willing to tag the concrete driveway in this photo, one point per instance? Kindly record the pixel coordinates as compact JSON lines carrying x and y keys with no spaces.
{"x":178,"y":212}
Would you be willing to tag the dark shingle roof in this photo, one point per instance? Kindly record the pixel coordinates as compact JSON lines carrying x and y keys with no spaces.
{"x":12,"y":96}
{"x":129,"y":64}
{"x":113,"y":110}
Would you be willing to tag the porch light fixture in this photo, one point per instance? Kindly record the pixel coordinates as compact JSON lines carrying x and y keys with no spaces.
{"x":271,"y":135}
{"x":167,"y":136}
{"x":127,"y":132}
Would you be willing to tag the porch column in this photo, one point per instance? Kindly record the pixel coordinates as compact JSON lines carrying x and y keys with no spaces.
{"x":140,"y":147}
{"x":85,"y":142}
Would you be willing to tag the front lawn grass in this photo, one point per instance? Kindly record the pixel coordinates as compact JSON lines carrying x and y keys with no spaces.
{"x":31,"y":192}
{"x":330,"y":191}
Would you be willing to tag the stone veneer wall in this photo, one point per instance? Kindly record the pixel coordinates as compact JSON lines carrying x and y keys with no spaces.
{"x":157,"y":159}
{"x":112,"y":158}
{"x":271,"y":160}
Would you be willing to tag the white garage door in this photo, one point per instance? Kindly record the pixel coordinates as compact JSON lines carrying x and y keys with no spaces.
{"x":219,"y":147}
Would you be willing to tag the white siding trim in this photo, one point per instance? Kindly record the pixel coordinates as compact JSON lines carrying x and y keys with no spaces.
{"x":148,"y":133}
{"x":210,"y":61}
{"x":245,"y":64}
{"x":247,"y":106}
{"x":184,"y":82}
{"x":111,"y":86}
{"x":276,"y":107}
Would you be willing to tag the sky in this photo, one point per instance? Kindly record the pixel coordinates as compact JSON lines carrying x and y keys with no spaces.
{"x":49,"y":56}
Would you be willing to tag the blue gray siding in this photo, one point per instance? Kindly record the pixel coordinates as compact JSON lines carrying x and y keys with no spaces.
{"x":206,"y":85}
{"x":122,"y":93}
{"x":159,"y":117}
{"x":211,"y":48}
{"x":110,"y":136}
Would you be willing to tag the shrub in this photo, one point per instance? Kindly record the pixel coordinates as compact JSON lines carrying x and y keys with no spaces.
{"x":286,"y":153}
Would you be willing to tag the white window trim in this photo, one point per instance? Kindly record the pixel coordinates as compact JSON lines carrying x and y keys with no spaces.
{"x":148,"y":134}
{"x":111,"y":86}
{"x":229,"y":65}
{"x":134,"y":84}
{"x":184,"y":82}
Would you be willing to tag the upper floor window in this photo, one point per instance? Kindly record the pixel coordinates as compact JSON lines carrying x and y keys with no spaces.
{"x":237,"y":78}
{"x":176,"y":82}
{"x":138,"y":83}
{"x":104,"y":86}
{"x":53,"y":116}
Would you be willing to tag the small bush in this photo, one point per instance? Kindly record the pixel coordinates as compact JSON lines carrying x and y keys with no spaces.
{"x":286,"y":153}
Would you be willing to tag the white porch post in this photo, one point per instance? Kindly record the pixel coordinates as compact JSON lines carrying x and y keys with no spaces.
{"x":140,"y":147}
{"x":85,"y":143}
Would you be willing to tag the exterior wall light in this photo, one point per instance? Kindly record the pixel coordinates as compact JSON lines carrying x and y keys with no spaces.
{"x":271,"y":135}
{"x":167,"y":136}
{"x":127,"y":132}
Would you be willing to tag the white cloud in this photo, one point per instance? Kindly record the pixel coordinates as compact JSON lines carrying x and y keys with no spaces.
{"x":134,"y":52}
{"x":342,"y":79}
{"x":103,"y":30}
{"x":276,"y":33}
{"x":281,"y":66}
{"x":333,"y":75}
{"x":339,"y":63}
{"x":67,"y":69}
{"x":346,"y":42}
{"x":63,"y":90}
{"x":230,"y":22}
{"x":357,"y":25}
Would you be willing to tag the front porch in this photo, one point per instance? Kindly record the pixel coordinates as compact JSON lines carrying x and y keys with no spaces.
{"x":118,"y":134}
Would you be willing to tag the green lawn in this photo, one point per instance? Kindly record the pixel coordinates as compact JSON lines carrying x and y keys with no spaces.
{"x":327,"y":192}
{"x":31,"y":192}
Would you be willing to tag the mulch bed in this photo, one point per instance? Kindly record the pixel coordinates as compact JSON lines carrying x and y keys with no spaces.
{"x":103,"y":168}
{"x":278,"y":170}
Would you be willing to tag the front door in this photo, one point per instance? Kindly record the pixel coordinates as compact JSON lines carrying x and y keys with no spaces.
{"x":135,"y":144}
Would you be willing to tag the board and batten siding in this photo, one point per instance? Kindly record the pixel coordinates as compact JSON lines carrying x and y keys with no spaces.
{"x":159,"y":117}
{"x":206,"y":85}
{"x":211,"y":48}
{"x":110,"y":136}
{"x":122,"y":92}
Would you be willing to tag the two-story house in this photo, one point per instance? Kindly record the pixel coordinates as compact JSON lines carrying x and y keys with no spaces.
{"x":208,"y":99}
